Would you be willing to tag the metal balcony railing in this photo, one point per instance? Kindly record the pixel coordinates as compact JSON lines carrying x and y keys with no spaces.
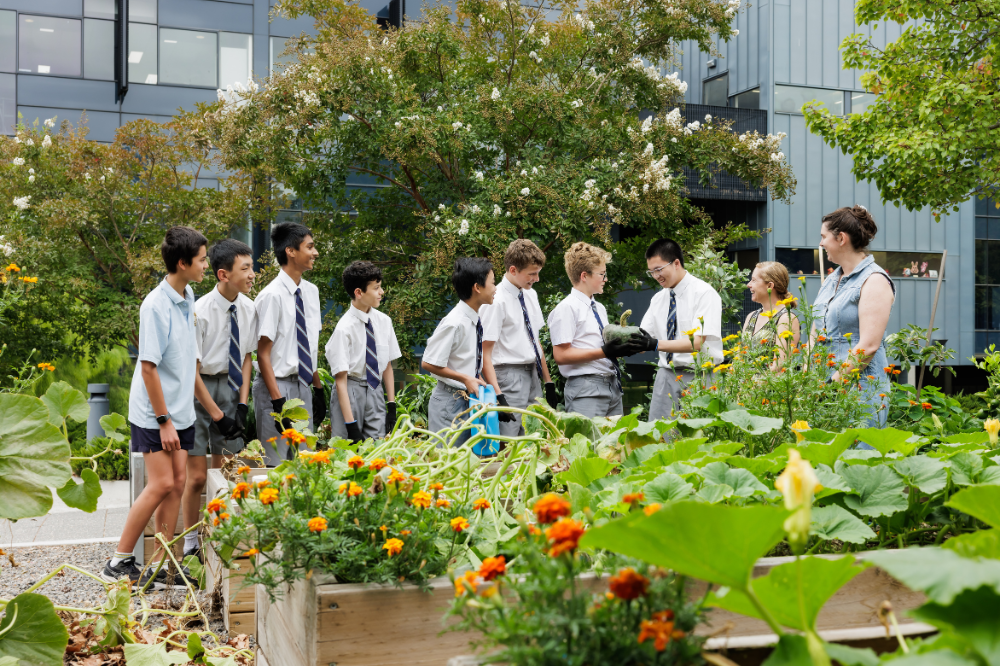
{"x":725,"y":186}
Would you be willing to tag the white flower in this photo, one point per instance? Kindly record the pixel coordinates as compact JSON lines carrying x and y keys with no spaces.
{"x":31,"y":171}
{"x":31,"y":179}
{"x":497,"y":210}
{"x":524,"y":172}
{"x":463,"y":228}
{"x":649,"y":149}
{"x":673,"y":140}
{"x":18,"y":161}
{"x":440,"y":206}
{"x":440,"y":108}
{"x":531,"y":30}
{"x":736,"y":33}
{"x":577,"y":104}
{"x":777,"y":157}
{"x":476,"y":209}
{"x":6,"y":249}
{"x":22,"y":203}
{"x":545,"y":39}
{"x":495,"y":95}
{"x":110,"y":170}
{"x":708,"y":118}
{"x":479,"y":176}
{"x":534,"y":170}
{"x":378,"y":114}
{"x":17,"y":139}
{"x":102,"y":179}
{"x":590,"y":183}
{"x":525,"y":192}
{"x":647,"y":124}
{"x":51,"y":122}
{"x":86,"y":176}
{"x":29,"y":142}
{"x":507,"y":214}
{"x":398,"y":124}
{"x":456,"y":125}
{"x":47,"y":141}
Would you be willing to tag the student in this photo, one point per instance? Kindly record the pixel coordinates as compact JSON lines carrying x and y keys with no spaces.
{"x":161,"y":400}
{"x":360,"y":352}
{"x":513,"y":361}
{"x":454,"y":351}
{"x":590,"y":366}
{"x":224,"y":327}
{"x":288,"y":325}
{"x":684,"y":303}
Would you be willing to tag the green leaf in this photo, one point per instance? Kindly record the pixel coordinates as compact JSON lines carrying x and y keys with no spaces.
{"x":828,"y":452}
{"x":573,"y":424}
{"x":585,"y":471}
{"x":982,"y":502}
{"x":34,"y":457}
{"x":195,"y":651}
{"x":196,"y":568}
{"x":743,"y":483}
{"x":791,"y":650}
{"x":877,"y":491}
{"x":221,"y":661}
{"x":65,"y":402}
{"x":685,"y":537}
{"x":756,"y":466}
{"x":930,"y":475}
{"x":836,"y":522}
{"x":580,"y":497}
{"x":138,"y":654}
{"x":82,"y":496}
{"x":965,"y":468}
{"x":667,"y":487}
{"x":846,"y":655}
{"x":113,"y":423}
{"x":713,"y":493}
{"x":971,"y":616}
{"x":689,"y":427}
{"x":31,"y":632}
{"x":933,"y":658}
{"x":754,"y":424}
{"x":985,"y":543}
{"x":939,"y":573}
{"x":885,"y":440}
{"x":8,"y":661}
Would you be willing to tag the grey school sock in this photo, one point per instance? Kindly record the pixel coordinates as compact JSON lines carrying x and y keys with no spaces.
{"x":190,"y":541}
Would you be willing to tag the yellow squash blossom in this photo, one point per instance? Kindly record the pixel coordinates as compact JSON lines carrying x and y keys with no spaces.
{"x":798,"y":483}
{"x":992,"y":426}
{"x":798,"y":428}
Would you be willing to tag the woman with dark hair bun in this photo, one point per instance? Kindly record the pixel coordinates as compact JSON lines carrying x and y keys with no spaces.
{"x":853,"y":311}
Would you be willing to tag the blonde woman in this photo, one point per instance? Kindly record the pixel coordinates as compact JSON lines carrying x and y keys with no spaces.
{"x":768,"y":286}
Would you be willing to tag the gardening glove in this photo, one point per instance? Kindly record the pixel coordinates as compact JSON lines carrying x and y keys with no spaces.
{"x":617,"y":349}
{"x":390,"y":417}
{"x":241,"y":416}
{"x":645,"y":340}
{"x":354,"y":432}
{"x":283,"y":424}
{"x":505,"y":417}
{"x":550,"y":394}
{"x":228,"y":427}
{"x":319,"y":406}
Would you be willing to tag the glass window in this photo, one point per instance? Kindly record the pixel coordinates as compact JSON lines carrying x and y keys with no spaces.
{"x":277,"y":48}
{"x":8,"y":103}
{"x":805,"y":261}
{"x":716,"y":91}
{"x":189,"y":58}
{"x":141,"y":53}
{"x":861,"y":101}
{"x":143,"y":11}
{"x":386,"y":11}
{"x":48,"y":45}
{"x":8,"y":45}
{"x":235,"y":58}
{"x":105,"y":9}
{"x":987,"y":206}
{"x":98,"y":49}
{"x":789,"y":99}
{"x":746,"y":100}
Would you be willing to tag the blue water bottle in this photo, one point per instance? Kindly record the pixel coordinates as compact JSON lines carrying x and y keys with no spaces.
{"x":489,"y":422}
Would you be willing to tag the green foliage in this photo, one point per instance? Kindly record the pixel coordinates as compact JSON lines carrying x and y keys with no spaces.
{"x":83,"y":495}
{"x":31,"y":632}
{"x":728,"y":279}
{"x":112,"y":466}
{"x":34,"y":457}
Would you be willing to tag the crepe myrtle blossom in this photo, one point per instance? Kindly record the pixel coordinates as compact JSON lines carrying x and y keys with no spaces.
{"x":777,"y":157}
{"x":525,"y":192}
{"x":577,"y":103}
{"x":497,"y":210}
{"x":456,"y":125}
{"x":22,"y":203}
{"x":18,"y":161}
{"x":545,"y":40}
{"x":463,"y":227}
{"x":479,"y":176}
{"x":47,"y":141}
{"x":495,"y":95}
{"x":51,"y":122}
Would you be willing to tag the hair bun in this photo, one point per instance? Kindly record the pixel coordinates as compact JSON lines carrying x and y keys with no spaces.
{"x":866,"y":221}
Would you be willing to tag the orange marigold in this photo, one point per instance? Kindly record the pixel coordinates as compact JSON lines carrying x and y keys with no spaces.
{"x":216,"y":505}
{"x":550,"y":508}
{"x":354,"y":490}
{"x":651,"y":509}
{"x":633,"y":498}
{"x":317,"y":524}
{"x":396,"y":477}
{"x":442,"y":503}
{"x":896,"y":371}
{"x":628,"y":584}
{"x":493,"y":567}
{"x":421,"y":499}
{"x":459,"y":524}
{"x":660,"y":629}
{"x":393,"y":546}
{"x":223,"y":516}
{"x":293,"y":436}
{"x":268,"y":496}
{"x":251,"y":552}
{"x":241,"y":490}
{"x":466,"y":583}
{"x":436,"y":487}
{"x":263,"y":484}
{"x":356,"y":462}
{"x":320,"y":457}
{"x":927,"y":405}
{"x":481,"y":504}
{"x":377,"y":464}
{"x":405,"y":533}
{"x":243,"y":470}
{"x":215,"y":522}
{"x":564,"y":536}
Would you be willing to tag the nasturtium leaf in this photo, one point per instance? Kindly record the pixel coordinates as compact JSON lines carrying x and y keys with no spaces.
{"x":929,"y":475}
{"x":982,"y":502}
{"x":140,"y":654}
{"x":965,"y":468}
{"x":113,"y":423}
{"x":743,"y":483}
{"x":31,"y":632}
{"x":971,"y":616}
{"x":877,"y":491}
{"x":713,"y":493}
{"x":585,"y":471}
{"x":684,"y":536}
{"x":65,"y":402}
{"x":845,"y":655}
{"x":984,"y":543}
{"x":757,"y":466}
{"x":836,"y":522}
{"x":939,"y":573}
{"x":748,"y":422}
{"x":667,"y":487}
{"x":84,"y":495}
{"x":34,"y":457}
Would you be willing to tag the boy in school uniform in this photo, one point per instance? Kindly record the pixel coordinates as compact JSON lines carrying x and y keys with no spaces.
{"x":684,"y":303}
{"x":454,"y":352}
{"x":360,"y":352}
{"x":224,"y":324}
{"x":288,"y":325}
{"x":590,"y":365}
{"x":513,"y":361}
{"x":161,"y":400}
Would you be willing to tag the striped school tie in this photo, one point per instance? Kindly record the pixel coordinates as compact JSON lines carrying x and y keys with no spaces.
{"x":371,"y":358}
{"x":672,"y":322}
{"x":479,"y":348}
{"x":614,"y":361}
{"x":235,"y":367}
{"x":531,"y":335}
{"x":305,"y":358}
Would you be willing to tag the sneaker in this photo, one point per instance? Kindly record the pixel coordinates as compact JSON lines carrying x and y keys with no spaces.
{"x":127,"y":567}
{"x":163,"y":579}
{"x":193,"y":552}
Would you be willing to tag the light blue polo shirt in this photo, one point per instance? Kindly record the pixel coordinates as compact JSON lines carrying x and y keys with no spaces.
{"x":166,"y":338}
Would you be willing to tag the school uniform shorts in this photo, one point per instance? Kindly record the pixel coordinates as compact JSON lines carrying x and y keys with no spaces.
{"x":446,"y":403}
{"x":593,"y":395}
{"x":206,"y":436}
{"x":522,"y":387}
{"x":147,"y":440}
{"x":667,"y":392}
{"x":367,"y":407}
{"x":276,"y":452}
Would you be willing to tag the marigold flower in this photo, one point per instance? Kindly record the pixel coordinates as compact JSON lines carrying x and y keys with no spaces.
{"x":691,"y":332}
{"x":459,"y":524}
{"x":356,"y":462}
{"x":317,"y":524}
{"x":831,"y":363}
{"x":912,"y":402}
{"x":377,"y":464}
{"x":421,"y":499}
{"x":466,"y":583}
{"x":992,"y":427}
{"x":289,"y":477}
{"x":442,"y":503}
{"x":216,"y":505}
{"x":712,"y":387}
{"x":887,"y":368}
{"x":881,"y":395}
{"x":564,"y":535}
{"x":272,"y":440}
{"x":707,"y":364}
{"x":354,"y":490}
{"x":251,"y":552}
{"x":896,"y":372}
{"x":798,"y":428}
{"x":268,"y":496}
{"x":820,"y":338}
{"x":730,"y":338}
{"x":13,"y":268}
{"x":342,"y":488}
{"x":784,"y":335}
{"x":660,"y":629}
{"x":628,"y":584}
{"x":393,"y":546}
{"x":550,"y":508}
{"x":263,"y":484}
{"x":927,"y":405}
{"x":293,"y":436}
{"x":436,"y":487}
{"x":798,"y":483}
{"x":320,"y":457}
{"x":223,"y":516}
{"x":241,"y":490}
{"x":722,"y":368}
{"x":633,"y":498}
{"x":652,"y":508}
{"x":215,"y":521}
{"x":396,"y":477}
{"x":481,"y":504}
{"x":680,"y":378}
{"x":493,"y":567}
{"x":243,"y":470}
{"x":405,"y":533}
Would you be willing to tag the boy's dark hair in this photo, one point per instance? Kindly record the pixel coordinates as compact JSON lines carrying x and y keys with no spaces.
{"x":665,"y":249}
{"x":223,"y":254}
{"x":181,"y":244}
{"x":287,"y":235}
{"x":470,"y":271}
{"x":359,"y":274}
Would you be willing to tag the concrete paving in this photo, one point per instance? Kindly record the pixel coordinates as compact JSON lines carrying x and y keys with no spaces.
{"x":66,"y":525}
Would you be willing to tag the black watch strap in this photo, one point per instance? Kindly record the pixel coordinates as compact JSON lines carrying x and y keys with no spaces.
{"x":163,"y":419}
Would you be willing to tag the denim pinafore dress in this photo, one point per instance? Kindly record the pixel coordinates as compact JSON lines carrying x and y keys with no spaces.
{"x":836,"y":311}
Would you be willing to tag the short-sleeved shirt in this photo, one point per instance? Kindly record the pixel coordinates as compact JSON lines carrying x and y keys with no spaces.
{"x":453,"y":343}
{"x":695,"y":298}
{"x":213,"y":330}
{"x":275,"y":307}
{"x":347,"y":348}
{"x":503,"y":323}
{"x":573,"y":321}
{"x":167,"y":340}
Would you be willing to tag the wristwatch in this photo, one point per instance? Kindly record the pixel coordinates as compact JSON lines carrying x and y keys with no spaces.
{"x":163,"y":419}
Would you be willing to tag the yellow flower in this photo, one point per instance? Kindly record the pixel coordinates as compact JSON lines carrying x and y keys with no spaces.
{"x":722,"y":368}
{"x":730,"y":338}
{"x":992,"y":426}
{"x":798,"y":483}
{"x":784,"y":335}
{"x":802,"y":279}
{"x":12,"y":268}
{"x":768,"y":313}
{"x":787,"y":301}
{"x":691,"y":332}
{"x":393,"y":546}
{"x":847,"y":335}
{"x":707,"y":364}
{"x":30,"y":280}
{"x":798,"y":428}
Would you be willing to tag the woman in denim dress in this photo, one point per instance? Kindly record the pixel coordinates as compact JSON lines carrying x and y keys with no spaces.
{"x":852,"y":310}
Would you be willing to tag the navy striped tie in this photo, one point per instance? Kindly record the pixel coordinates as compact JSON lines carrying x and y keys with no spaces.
{"x":305,"y":358}
{"x":672,"y":322}
{"x":371,"y":357}
{"x":614,"y":361}
{"x":531,"y":335}
{"x":235,"y":367}
{"x":479,"y":348}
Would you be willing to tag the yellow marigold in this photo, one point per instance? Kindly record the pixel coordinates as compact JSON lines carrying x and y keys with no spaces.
{"x":241,"y":490}
{"x":459,"y":524}
{"x":707,"y":364}
{"x":788,"y":301}
{"x":722,"y":368}
{"x":436,"y":487}
{"x":377,"y":464}
{"x":223,"y":516}
{"x":421,"y":499}
{"x":393,"y":546}
{"x":268,"y":496}
{"x":784,"y":335}
{"x":263,"y":484}
{"x":356,"y":462}
{"x":352,"y":491}
{"x":466,"y":583}
{"x":481,"y":504}
{"x":730,"y":338}
{"x":768,"y":313}
{"x":317,"y":524}
{"x":12,"y":268}
{"x":29,"y":280}
{"x":652,"y":508}
{"x":289,"y":477}
{"x":293,"y":435}
{"x":320,"y":457}
{"x":442,"y":503}
{"x":251,"y":552}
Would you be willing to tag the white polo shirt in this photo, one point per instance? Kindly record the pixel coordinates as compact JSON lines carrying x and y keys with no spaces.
{"x":347,"y":348}
{"x":453,"y":343}
{"x":503,"y":323}
{"x":275,"y":307}
{"x":212,"y":330}
{"x":573,"y":321}
{"x":695,"y":298}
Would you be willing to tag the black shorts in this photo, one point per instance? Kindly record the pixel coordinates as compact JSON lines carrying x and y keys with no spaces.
{"x":147,"y":440}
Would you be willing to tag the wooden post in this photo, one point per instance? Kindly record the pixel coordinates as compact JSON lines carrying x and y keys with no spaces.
{"x":930,"y":329}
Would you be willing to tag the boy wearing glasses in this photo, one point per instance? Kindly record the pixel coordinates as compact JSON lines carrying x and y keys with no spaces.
{"x":684,"y":303}
{"x":590,"y":365}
